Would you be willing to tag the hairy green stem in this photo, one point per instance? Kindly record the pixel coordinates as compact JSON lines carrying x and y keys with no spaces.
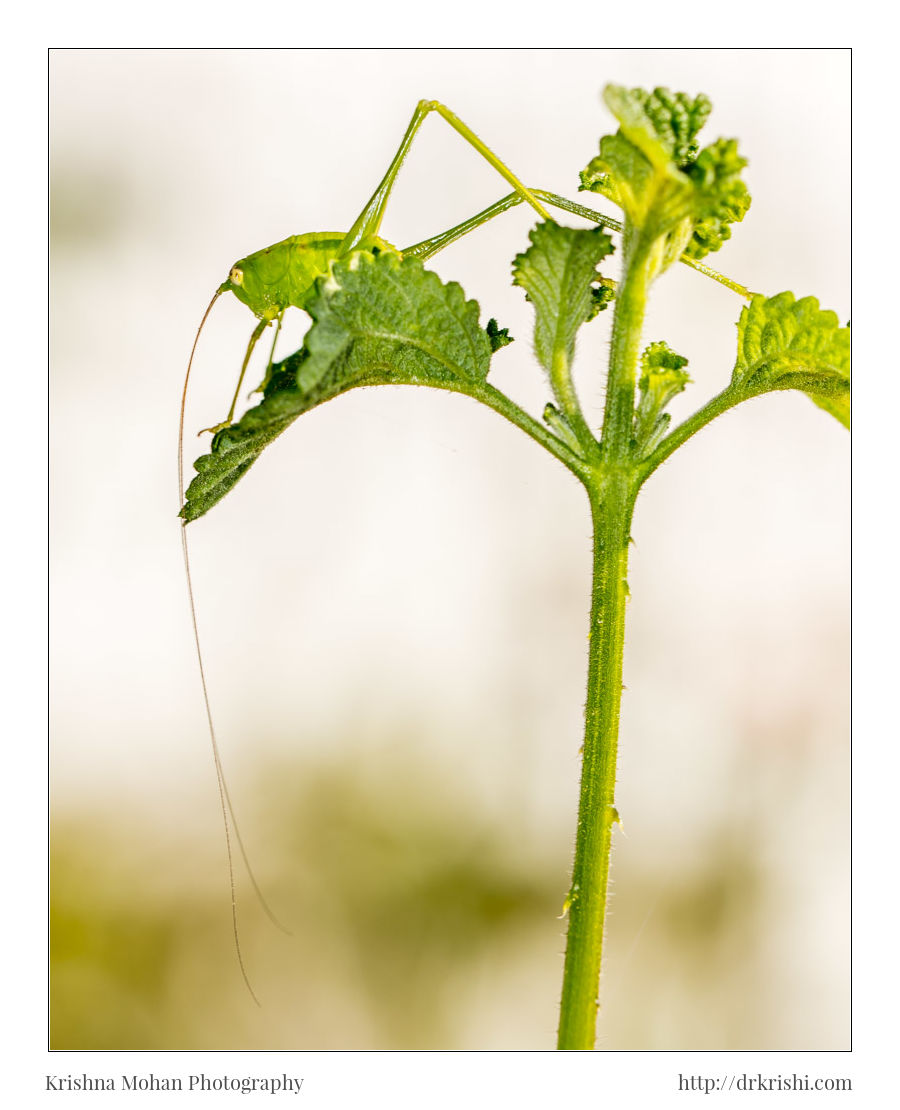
{"x":499,"y":402}
{"x":625,"y":345}
{"x":612,"y":488}
{"x":495,"y":399}
{"x":611,"y":508}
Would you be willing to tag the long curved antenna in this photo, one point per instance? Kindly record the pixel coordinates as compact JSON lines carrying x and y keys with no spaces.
{"x":224,"y":796}
{"x":187,"y":378}
{"x":219,"y":771}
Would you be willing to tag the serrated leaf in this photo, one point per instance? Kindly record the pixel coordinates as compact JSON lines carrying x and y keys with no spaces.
{"x":559,"y":275}
{"x":381,"y":310}
{"x":784,"y":343}
{"x":838,"y":406}
{"x":377,"y":320}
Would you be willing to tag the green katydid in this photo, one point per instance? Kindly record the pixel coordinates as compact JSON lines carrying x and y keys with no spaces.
{"x":285,"y":275}
{"x":282,"y":276}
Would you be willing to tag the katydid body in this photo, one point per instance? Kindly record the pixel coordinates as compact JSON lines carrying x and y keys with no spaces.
{"x":278,"y":278}
{"x":283,"y":275}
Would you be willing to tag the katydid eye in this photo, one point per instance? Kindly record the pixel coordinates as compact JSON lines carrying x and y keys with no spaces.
{"x":236,"y":277}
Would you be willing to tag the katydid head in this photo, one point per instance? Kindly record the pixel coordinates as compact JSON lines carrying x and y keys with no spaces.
{"x":245,"y":281}
{"x":270,"y":280}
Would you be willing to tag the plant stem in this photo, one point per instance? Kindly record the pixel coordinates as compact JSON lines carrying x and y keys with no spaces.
{"x":625,"y":345}
{"x":612,"y":488}
{"x":499,"y":402}
{"x":611,"y":509}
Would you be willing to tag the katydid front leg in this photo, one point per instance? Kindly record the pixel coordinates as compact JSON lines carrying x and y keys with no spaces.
{"x":257,"y":332}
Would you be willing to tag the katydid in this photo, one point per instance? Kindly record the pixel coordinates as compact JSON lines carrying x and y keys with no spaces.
{"x":282,"y":276}
{"x":285,"y":275}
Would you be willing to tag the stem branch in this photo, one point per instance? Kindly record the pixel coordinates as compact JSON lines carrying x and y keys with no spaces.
{"x":728,"y":398}
{"x":499,"y":402}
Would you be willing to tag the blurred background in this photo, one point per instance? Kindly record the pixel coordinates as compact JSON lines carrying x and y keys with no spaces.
{"x":393,"y":602}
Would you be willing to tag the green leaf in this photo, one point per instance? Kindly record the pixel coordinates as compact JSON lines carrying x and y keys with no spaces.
{"x":784,"y":343}
{"x":559,"y":275}
{"x":662,"y":377}
{"x":377,"y":320}
{"x":655,"y":171}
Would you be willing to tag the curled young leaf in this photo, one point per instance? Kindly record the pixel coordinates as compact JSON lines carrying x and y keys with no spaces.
{"x":662,"y":377}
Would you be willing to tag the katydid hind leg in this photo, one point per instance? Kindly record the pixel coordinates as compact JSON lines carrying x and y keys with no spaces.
{"x":369,"y":220}
{"x":428,"y":247}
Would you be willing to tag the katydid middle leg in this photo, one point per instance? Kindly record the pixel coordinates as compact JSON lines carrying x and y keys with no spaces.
{"x":428,"y":247}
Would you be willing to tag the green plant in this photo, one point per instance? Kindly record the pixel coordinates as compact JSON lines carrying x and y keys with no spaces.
{"x":379,"y":317}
